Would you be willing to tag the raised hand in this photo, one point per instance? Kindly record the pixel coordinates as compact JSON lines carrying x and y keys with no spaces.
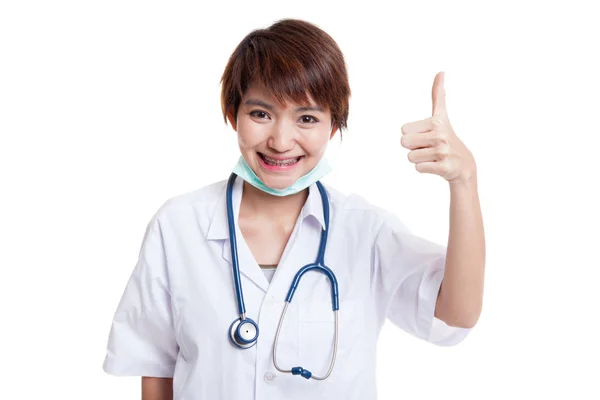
{"x":435,"y":148}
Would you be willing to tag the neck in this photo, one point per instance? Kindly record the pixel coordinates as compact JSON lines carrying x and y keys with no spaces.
{"x":259,"y":203}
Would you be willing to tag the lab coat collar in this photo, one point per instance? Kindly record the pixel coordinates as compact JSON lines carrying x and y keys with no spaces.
{"x":219,"y":229}
{"x":314,"y":206}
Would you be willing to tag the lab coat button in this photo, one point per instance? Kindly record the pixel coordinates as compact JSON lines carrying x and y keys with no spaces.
{"x":270,"y":376}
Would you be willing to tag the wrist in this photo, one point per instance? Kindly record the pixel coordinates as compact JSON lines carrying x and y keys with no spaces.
{"x":466,"y":180}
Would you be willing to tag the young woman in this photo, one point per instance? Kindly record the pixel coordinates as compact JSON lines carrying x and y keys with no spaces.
{"x":269,"y":285}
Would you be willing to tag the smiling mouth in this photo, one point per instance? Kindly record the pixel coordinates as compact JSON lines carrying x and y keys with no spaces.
{"x":279,"y":163}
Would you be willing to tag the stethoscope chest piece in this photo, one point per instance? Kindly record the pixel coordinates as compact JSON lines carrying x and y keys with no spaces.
{"x":243,"y":333}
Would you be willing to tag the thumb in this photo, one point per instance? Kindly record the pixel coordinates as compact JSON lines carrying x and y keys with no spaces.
{"x":438,"y":95}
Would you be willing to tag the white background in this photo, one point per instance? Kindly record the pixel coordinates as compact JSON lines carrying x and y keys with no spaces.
{"x":109,"y":108}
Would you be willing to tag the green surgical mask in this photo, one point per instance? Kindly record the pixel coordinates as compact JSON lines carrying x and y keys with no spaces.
{"x":243,"y":170}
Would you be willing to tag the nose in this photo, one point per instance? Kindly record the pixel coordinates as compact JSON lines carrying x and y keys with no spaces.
{"x":282,"y":138}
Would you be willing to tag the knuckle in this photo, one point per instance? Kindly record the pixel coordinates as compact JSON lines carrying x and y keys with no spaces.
{"x":440,"y":138}
{"x":440,"y":153}
{"x":435,"y":140}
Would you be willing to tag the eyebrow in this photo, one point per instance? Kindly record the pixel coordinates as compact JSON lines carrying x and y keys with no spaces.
{"x":254,"y":102}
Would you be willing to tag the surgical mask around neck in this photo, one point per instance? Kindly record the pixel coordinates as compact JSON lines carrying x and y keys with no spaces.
{"x":243,"y":170}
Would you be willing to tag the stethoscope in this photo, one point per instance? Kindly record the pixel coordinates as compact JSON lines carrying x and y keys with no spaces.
{"x":243,"y":332}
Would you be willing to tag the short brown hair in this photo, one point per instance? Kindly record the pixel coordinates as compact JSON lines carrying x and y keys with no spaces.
{"x":290,"y":58}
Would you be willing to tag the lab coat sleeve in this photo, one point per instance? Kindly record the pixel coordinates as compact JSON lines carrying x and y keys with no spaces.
{"x":142,"y":340}
{"x":408,"y":273}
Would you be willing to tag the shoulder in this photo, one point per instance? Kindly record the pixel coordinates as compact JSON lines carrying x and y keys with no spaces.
{"x":356,"y":211}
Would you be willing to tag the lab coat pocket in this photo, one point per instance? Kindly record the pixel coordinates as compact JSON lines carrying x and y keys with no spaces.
{"x":317,"y":334}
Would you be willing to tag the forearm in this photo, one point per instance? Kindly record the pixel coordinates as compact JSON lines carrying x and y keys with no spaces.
{"x":157,"y":388}
{"x":461,"y":294}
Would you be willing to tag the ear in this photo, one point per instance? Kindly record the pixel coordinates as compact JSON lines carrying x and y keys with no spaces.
{"x":333,"y":131}
{"x":231,"y":119}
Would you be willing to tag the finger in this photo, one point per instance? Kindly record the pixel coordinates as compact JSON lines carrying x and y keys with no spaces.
{"x":419,"y":140}
{"x":434,"y":167}
{"x":422,"y":126}
{"x":423,"y":155}
{"x":438,"y":95}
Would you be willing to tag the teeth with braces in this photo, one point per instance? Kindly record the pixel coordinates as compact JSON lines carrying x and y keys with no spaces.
{"x":280,"y":162}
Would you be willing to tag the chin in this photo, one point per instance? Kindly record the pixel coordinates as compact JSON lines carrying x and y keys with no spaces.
{"x":278,"y":183}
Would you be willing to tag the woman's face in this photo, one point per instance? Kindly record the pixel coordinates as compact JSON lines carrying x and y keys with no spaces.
{"x":281,"y":143}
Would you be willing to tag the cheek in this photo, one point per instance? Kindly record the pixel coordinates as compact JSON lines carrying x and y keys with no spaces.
{"x":317,"y":144}
{"x":249,"y":135}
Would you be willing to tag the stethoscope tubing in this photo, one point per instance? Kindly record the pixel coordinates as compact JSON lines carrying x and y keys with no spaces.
{"x":235,"y":328}
{"x":233,"y":244}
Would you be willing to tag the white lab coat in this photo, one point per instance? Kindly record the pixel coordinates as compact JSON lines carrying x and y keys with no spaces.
{"x":174,"y":316}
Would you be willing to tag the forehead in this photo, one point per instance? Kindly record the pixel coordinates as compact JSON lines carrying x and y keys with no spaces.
{"x":258,"y":91}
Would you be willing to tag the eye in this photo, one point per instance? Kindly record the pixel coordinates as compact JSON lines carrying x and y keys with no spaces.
{"x":259,"y":114}
{"x":308,"y":118}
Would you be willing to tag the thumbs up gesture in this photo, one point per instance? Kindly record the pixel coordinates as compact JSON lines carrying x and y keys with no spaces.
{"x":435,"y":148}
